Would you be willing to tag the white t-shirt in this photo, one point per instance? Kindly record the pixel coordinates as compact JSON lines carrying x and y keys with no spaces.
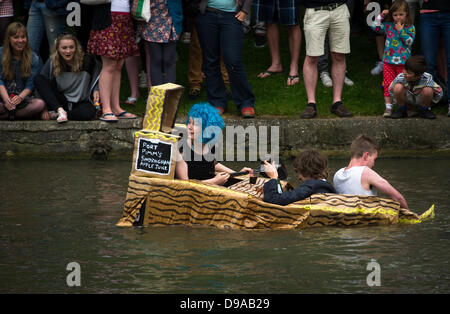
{"x":348,"y":181}
{"x":120,"y":6}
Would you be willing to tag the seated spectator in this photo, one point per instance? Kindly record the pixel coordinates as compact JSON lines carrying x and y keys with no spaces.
{"x":415,"y":87}
{"x":359,"y":178}
{"x":68,"y":81}
{"x":312,"y":169}
{"x":198,"y":162}
{"x":19,"y":65}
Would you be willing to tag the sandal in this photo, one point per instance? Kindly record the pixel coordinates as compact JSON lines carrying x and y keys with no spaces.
{"x":131,"y":101}
{"x":62,"y":115}
{"x":126,"y":115}
{"x":293,"y":79}
{"x":268,"y":73}
{"x":106,"y":119}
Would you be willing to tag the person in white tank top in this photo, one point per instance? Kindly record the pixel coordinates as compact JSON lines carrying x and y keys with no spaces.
{"x":359,"y":178}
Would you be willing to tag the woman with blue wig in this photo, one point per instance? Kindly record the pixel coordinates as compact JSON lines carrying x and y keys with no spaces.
{"x":204,"y":126}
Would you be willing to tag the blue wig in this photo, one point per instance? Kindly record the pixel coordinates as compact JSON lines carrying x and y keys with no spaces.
{"x":209,"y":116}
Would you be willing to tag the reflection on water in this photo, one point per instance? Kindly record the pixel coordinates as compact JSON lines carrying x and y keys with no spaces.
{"x":56,"y":212}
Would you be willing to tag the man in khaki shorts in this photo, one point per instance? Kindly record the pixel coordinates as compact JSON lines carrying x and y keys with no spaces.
{"x":322,"y":16}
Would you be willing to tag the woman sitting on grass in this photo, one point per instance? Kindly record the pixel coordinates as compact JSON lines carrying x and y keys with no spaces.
{"x":194,"y":162}
{"x":18,"y":67}
{"x":312,"y":169}
{"x":68,"y":81}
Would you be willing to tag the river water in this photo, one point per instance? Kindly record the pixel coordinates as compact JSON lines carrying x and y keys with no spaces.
{"x":57,"y":212}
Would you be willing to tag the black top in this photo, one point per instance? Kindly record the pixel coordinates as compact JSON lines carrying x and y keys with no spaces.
{"x":199,"y":167}
{"x":304,"y":190}
{"x":441,"y":5}
{"x":319,"y":3}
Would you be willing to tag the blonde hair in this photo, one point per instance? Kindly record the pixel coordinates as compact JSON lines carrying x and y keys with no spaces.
{"x":8,"y":54}
{"x":59,"y":64}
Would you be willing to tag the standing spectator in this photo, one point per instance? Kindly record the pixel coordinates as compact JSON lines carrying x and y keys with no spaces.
{"x":285,"y":12}
{"x":112,"y":38}
{"x":434,"y":25}
{"x":46,"y":18}
{"x":6,"y":16}
{"x":220,"y":31}
{"x":161,"y":34}
{"x":400,"y":35}
{"x":322,"y":16}
{"x":19,"y":65}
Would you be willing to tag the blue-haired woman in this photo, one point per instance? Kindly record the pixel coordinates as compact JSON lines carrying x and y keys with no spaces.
{"x":204,"y":123}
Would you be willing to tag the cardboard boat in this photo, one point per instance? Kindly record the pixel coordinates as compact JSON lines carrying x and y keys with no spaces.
{"x":155,"y":198}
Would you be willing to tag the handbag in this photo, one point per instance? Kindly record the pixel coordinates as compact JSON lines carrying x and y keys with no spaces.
{"x":140,"y":10}
{"x":94,"y":2}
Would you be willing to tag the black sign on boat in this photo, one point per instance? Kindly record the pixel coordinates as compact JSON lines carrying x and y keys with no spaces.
{"x":154,"y":156}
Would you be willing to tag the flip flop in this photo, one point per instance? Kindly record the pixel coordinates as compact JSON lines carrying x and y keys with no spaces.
{"x":126,"y":115}
{"x":268,"y":73}
{"x":104,"y":117}
{"x":293,"y":78}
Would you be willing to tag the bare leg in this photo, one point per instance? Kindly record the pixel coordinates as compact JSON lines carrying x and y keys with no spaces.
{"x":310,"y":77}
{"x":132,"y":65}
{"x":295,"y":40}
{"x":400,"y":94}
{"x":34,"y":107}
{"x":273,"y":40}
{"x":338,"y":74}
{"x":426,"y":96}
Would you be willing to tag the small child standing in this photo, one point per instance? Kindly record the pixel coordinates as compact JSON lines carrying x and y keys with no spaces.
{"x":415,"y":87}
{"x":400,"y":35}
{"x":312,"y":169}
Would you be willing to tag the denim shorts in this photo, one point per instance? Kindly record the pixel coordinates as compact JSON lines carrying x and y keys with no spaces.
{"x":285,"y":12}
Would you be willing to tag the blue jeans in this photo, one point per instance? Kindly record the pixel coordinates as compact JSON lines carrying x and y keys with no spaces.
{"x":433,"y":27}
{"x":42,"y":19}
{"x":221,"y":34}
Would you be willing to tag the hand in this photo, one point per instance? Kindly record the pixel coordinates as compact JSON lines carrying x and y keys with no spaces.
{"x":8,"y":104}
{"x":384,"y":13}
{"x":16,"y":100}
{"x":45,"y":115}
{"x":241,"y":15}
{"x":399,"y":26}
{"x":271,"y":170}
{"x":95,"y":96}
{"x":221,"y":178}
{"x":249,"y":170}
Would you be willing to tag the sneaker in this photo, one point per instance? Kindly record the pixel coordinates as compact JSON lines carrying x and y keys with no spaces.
{"x":399,"y":114}
{"x":348,"y":81}
{"x":326,"y":79}
{"x":309,"y":112}
{"x":62,"y":115}
{"x":426,"y":113}
{"x":387,"y":113}
{"x":143,"y":80}
{"x":260,"y":41}
{"x":248,"y":112}
{"x":378,"y":69}
{"x":221,"y":110}
{"x":341,"y":111}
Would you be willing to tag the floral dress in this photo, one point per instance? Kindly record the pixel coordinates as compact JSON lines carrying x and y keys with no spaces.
{"x":160,"y":28}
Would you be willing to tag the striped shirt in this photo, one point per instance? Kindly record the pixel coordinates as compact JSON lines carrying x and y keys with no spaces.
{"x":415,"y":88}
